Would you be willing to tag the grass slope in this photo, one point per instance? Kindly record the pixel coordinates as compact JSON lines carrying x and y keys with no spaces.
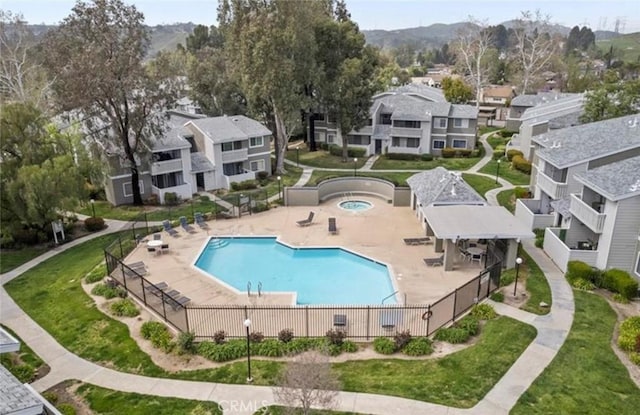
{"x":479,"y":183}
{"x":585,"y":377}
{"x":11,"y":259}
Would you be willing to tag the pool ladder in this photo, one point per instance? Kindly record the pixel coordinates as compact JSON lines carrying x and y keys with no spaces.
{"x":249,"y":288}
{"x":347,"y":196}
{"x":389,"y":296}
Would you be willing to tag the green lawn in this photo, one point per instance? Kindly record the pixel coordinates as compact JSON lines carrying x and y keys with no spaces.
{"x":496,"y":140}
{"x":537,"y":285}
{"x":479,"y":183}
{"x":23,"y":364}
{"x":506,"y":199}
{"x":106,"y":401}
{"x":507,"y":172}
{"x":383,"y":163}
{"x":460,"y":380}
{"x":487,"y":129}
{"x":398,"y":178}
{"x":13,"y":258}
{"x":324,"y":159}
{"x":626,"y":47}
{"x":279,"y":410}
{"x":586,"y":376}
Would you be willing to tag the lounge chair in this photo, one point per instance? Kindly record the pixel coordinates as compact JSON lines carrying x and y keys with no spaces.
{"x":434,"y":262}
{"x":306,"y":222}
{"x":155,"y":289}
{"x":199,"y":220}
{"x":418,"y":241}
{"x":169,"y":229}
{"x":333,"y":229}
{"x":151,"y":249}
{"x":135,"y":269}
{"x":176,"y":303}
{"x":185,"y":225}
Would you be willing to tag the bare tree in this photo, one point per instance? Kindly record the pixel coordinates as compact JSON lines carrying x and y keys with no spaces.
{"x":470,"y":46}
{"x":22,"y":78}
{"x":307,"y":381}
{"x":534,"y":46}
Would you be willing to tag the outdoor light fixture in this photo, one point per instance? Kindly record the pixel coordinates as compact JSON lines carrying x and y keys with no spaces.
{"x":355,"y":164}
{"x":498,"y":171}
{"x":93,"y":207}
{"x":515,"y":286}
{"x":279,"y":186}
{"x":247,"y":324}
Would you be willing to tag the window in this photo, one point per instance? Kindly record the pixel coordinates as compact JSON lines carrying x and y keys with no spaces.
{"x":166,"y":155}
{"x":163,"y":181}
{"x":439,"y":123}
{"x":459,"y":143}
{"x":460,"y":123}
{"x":232,"y":169}
{"x":256,"y":141}
{"x":330,"y":138}
{"x":318,"y":116}
{"x":332,"y":118}
{"x":232,"y":145}
{"x":406,"y":124}
{"x":127,"y":189}
{"x":410,"y":142}
{"x":256,"y":165}
{"x":358,"y":139}
{"x":438,"y":143}
{"x":385,"y":119}
{"x":413,"y":142}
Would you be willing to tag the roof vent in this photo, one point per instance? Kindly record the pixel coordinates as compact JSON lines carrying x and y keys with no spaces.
{"x":635,"y":187}
{"x":453,"y":189}
{"x":236,"y":119}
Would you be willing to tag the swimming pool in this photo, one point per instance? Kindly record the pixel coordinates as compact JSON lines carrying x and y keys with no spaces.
{"x":317,"y":275}
{"x":355,"y":205}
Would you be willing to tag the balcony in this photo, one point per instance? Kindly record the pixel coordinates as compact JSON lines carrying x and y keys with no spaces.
{"x":529,"y":212}
{"x":561,"y":254}
{"x":235,"y":155}
{"x":247,"y":175}
{"x":406,"y":132}
{"x":182,"y":190}
{"x":167,"y":166}
{"x":554,"y":189}
{"x":593,"y":219}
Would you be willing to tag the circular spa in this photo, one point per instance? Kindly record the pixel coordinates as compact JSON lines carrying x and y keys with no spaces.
{"x":355,"y":205}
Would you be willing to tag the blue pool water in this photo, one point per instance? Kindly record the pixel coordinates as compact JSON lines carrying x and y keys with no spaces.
{"x":317,"y":275}
{"x":356,"y":205}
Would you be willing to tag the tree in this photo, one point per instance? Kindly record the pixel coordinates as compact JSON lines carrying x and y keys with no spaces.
{"x":456,"y":91}
{"x":22,"y":77}
{"x":96,"y":57}
{"x":272,"y":58}
{"x":307,"y":381}
{"x":202,"y":37}
{"x":533,"y":47}
{"x":41,"y":171}
{"x":470,"y":46}
{"x":613,"y":99}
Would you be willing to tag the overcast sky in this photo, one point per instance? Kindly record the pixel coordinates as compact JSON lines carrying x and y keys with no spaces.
{"x":378,"y":14}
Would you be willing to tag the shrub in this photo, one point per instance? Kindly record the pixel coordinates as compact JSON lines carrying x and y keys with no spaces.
{"x":629,"y":337}
{"x":419,"y":346}
{"x":335,"y":336}
{"x":303,"y":344}
{"x":519,"y":163}
{"x":582,"y":284}
{"x":96,"y":274}
{"x":635,"y":358}
{"x":483,"y":312}
{"x":271,"y":348}
{"x":107,"y":290}
{"x":426,"y":157}
{"x":262,"y":175}
{"x":521,"y":193}
{"x":513,"y":152}
{"x":52,"y":397}
{"x":124,"y":308}
{"x":448,"y":152}
{"x":619,"y":298}
{"x":27,"y":236}
{"x":256,"y":336}
{"x":384,"y":345}
{"x":453,"y":335}
{"x":463,"y":152}
{"x":223,"y":352}
{"x":245,"y":185}
{"x":186,"y":342}
{"x":500,"y":148}
{"x":401,"y":339}
{"x":349,"y":347}
{"x":498,"y":297}
{"x":578,"y":270}
{"x":539,"y":237}
{"x":171,"y":198}
{"x":498,"y":154}
{"x":152,"y":200}
{"x":66,"y":409}
{"x":621,"y":282}
{"x":94,"y":224}
{"x":219,"y":336}
{"x":336,"y":150}
{"x":24,"y":373}
{"x":403,"y":156}
{"x":469,"y":323}
{"x":158,"y":334}
{"x":332,"y":349}
{"x":285,"y":335}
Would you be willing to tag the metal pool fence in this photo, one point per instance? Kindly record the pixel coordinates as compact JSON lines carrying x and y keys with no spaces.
{"x":359,"y":322}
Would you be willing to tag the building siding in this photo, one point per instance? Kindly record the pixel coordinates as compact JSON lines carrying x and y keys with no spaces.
{"x":624,"y":246}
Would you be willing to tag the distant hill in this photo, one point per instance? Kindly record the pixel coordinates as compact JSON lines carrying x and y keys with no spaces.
{"x":626,"y":47}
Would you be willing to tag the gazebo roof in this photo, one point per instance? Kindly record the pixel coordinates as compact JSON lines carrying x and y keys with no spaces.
{"x":475,"y":222}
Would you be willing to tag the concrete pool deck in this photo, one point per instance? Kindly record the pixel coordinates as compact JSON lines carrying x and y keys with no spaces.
{"x":376,"y":233}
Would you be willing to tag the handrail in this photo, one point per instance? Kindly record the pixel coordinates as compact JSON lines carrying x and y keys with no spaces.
{"x":259,"y":288}
{"x":389,"y":296}
{"x":249,"y":289}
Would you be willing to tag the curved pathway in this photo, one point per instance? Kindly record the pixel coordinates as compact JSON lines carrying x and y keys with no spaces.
{"x":246,"y":399}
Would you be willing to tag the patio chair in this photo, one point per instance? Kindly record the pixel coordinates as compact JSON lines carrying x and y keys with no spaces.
{"x":434,"y":262}
{"x":306,"y":222}
{"x":464,"y":254}
{"x":176,"y":303}
{"x":476,"y":258}
{"x":169,"y":229}
{"x":185,"y":225}
{"x":164,"y":247}
{"x":199,"y":220}
{"x":151,"y":249}
{"x":333,"y":229}
{"x":155,"y":289}
{"x":135,"y":269}
{"x":157,"y":237}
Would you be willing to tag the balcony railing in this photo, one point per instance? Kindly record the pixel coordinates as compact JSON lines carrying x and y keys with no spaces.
{"x":235,"y":155}
{"x":561,"y":254}
{"x":528,"y":211}
{"x":406,"y":132}
{"x":247,"y":175}
{"x":554,"y":189}
{"x":593,"y":219}
{"x":167,"y":166}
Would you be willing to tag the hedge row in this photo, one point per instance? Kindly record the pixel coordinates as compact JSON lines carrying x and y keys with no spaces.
{"x":615,"y":280}
{"x":336,"y":150}
{"x":449,"y":152}
{"x":519,"y":163}
{"x":403,"y":342}
{"x":409,"y":157}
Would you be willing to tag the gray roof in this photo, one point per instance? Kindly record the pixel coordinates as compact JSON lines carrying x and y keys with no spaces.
{"x":575,"y":145}
{"x":15,"y":398}
{"x":441,"y":187}
{"x":530,"y":100}
{"x":175,"y":131}
{"x":230,"y":128}
{"x":571,"y":107}
{"x":200,"y":163}
{"x":615,"y":181}
{"x":463,"y":111}
{"x":8,"y":343}
{"x":424,"y":91}
{"x":475,"y":222}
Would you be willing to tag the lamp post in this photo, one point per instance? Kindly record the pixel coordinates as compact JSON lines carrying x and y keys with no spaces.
{"x":498,"y":171}
{"x":515,"y":286}
{"x":355,"y":164}
{"x":93,"y":207}
{"x":297,"y":156}
{"x":279,"y":187}
{"x":247,"y":324}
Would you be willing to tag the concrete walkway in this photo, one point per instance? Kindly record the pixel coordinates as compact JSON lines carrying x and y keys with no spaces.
{"x":244,"y":399}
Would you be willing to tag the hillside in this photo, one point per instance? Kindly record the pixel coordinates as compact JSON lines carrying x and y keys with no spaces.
{"x":626,"y":47}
